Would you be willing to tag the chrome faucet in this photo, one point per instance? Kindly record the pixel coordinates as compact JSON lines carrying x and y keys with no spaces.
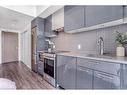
{"x":101,"y":46}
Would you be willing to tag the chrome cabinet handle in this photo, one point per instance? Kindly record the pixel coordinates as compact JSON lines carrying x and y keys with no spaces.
{"x":105,"y":76}
{"x":83,"y":69}
{"x":118,"y":72}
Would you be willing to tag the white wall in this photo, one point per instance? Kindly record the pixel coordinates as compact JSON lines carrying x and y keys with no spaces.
{"x":25,"y":46}
{"x":0,"y":47}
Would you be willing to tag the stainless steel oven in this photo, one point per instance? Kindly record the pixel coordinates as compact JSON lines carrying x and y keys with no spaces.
{"x":49,"y":67}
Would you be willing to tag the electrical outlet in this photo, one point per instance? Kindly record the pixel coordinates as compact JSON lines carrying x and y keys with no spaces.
{"x":79,"y":46}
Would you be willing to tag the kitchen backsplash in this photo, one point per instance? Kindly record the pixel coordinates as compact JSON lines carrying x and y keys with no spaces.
{"x":88,"y":41}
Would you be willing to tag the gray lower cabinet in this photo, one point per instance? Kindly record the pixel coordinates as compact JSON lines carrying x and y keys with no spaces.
{"x":101,"y":14}
{"x":105,"y":81}
{"x":66,"y":72}
{"x":74,"y":17}
{"x":84,"y":78}
{"x":40,"y":67}
{"x":124,"y":77}
{"x":81,"y":73}
{"x":95,"y":74}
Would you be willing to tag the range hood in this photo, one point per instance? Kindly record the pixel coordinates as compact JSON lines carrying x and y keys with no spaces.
{"x":54,"y":33}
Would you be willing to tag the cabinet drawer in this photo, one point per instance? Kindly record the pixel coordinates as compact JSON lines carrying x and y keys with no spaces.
{"x":105,"y":81}
{"x":108,"y":67}
{"x":86,"y":62}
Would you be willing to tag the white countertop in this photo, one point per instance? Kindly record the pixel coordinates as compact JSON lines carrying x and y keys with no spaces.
{"x":110,"y":58}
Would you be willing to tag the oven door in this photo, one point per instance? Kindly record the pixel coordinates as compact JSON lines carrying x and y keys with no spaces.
{"x":49,"y":66}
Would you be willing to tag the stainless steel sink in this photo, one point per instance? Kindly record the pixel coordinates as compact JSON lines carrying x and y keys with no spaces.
{"x":105,"y":55}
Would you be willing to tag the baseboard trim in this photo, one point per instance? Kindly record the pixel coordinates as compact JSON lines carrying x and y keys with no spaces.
{"x":10,"y":62}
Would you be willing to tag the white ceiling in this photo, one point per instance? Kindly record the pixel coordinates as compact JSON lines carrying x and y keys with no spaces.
{"x":30,"y":10}
{"x":13,"y":20}
{"x":19,"y":17}
{"x":50,"y":10}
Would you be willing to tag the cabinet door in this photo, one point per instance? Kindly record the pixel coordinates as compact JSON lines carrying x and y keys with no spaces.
{"x":125,"y":11}
{"x":102,"y":14}
{"x":40,"y":26}
{"x":58,"y":19}
{"x":105,"y":81}
{"x":84,"y":78}
{"x":108,"y":67}
{"x":124,"y":77}
{"x":73,"y":17}
{"x":40,"y":67}
{"x":66,"y":72}
{"x":38,"y":22}
{"x":48,"y":24}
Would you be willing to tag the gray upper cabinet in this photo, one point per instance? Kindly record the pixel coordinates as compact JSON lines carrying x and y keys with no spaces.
{"x":58,"y":19}
{"x":74,"y":17}
{"x":101,"y":14}
{"x":125,"y":11}
{"x":48,"y":27}
{"x":66,"y":72}
{"x":83,"y":18}
{"x":39,"y":24}
{"x":48,"y":24}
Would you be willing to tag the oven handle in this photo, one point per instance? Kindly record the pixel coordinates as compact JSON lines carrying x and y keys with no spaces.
{"x":49,"y":58}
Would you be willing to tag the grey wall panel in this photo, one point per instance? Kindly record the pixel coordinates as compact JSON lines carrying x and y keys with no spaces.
{"x":88,"y":40}
{"x":70,"y":42}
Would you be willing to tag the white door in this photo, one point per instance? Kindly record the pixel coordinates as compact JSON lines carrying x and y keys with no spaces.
{"x":9,"y":47}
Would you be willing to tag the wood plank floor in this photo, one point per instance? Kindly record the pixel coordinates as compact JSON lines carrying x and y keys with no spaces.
{"x":23,"y":76}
